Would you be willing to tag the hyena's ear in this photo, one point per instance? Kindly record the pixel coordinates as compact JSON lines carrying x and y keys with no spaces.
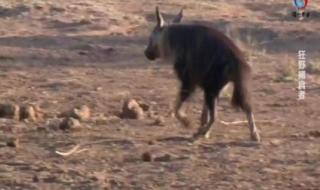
{"x":160,"y":20}
{"x":178,"y":18}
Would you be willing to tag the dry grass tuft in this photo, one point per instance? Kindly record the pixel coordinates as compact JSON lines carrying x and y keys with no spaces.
{"x":313,"y":67}
{"x":289,"y":70}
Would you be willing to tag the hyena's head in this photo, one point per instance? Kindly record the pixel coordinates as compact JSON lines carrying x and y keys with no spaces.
{"x":153,"y":50}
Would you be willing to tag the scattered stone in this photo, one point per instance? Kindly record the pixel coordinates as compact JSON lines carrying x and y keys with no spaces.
{"x":14,"y":142}
{"x":39,"y":112}
{"x":95,"y":48}
{"x":145,"y":107}
{"x":152,"y":114}
{"x":53,"y":124}
{"x":275,"y":142}
{"x":108,"y":50}
{"x":74,"y":7}
{"x":147,"y":157}
{"x":38,"y":6}
{"x":114,"y":182}
{"x":28,"y":112}
{"x":31,"y":113}
{"x":41,"y":128}
{"x":297,"y":135}
{"x":57,"y":9}
{"x":10,"y":111}
{"x":164,"y":158}
{"x":159,"y":121}
{"x":132,"y":110}
{"x":310,"y":134}
{"x":70,"y":123}
{"x":315,"y":134}
{"x":270,"y":171}
{"x":101,"y":119}
{"x":99,"y":88}
{"x":85,"y":21}
{"x":82,"y":113}
{"x":35,"y":179}
{"x":83,"y":52}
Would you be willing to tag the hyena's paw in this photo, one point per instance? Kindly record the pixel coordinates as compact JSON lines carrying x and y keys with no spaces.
{"x":185,"y":122}
{"x":182,"y":118}
{"x":255,"y":137}
{"x":203,"y":132}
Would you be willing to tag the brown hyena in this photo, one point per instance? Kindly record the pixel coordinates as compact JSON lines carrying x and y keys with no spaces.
{"x":204,"y":57}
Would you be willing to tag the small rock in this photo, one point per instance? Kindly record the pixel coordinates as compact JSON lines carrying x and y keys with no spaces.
{"x":145,"y":107}
{"x":74,"y":7}
{"x":270,"y":170}
{"x":297,"y":135}
{"x":159,"y":121}
{"x":28,"y":112}
{"x":41,"y":128}
{"x":39,"y":112}
{"x":99,"y":88}
{"x":82,"y":113}
{"x":35,"y":179}
{"x":101,"y":119}
{"x":275,"y":142}
{"x":57,"y":9}
{"x":31,"y":113}
{"x":83,"y":52}
{"x":14,"y":142}
{"x":85,"y":21}
{"x":147,"y":157}
{"x":53,"y":123}
{"x":315,"y":134}
{"x":38,"y":6}
{"x":109,"y":50}
{"x":164,"y":158}
{"x":153,"y":114}
{"x":10,"y":111}
{"x":106,"y":49}
{"x":70,"y":123}
{"x":132,"y":110}
{"x":114,"y":182}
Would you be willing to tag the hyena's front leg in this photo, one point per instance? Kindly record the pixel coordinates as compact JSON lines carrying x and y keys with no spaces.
{"x":183,"y":95}
{"x":204,"y":115}
{"x":204,"y":130}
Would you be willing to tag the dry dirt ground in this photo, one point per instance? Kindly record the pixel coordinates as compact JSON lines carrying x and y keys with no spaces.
{"x":60,"y":54}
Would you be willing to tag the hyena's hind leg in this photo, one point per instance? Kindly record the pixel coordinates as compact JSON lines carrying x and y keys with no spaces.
{"x":246,"y":107}
{"x":242,"y":98}
{"x":254,"y":134}
{"x":185,"y":91}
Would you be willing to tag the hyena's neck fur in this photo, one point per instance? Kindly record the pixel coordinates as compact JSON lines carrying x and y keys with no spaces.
{"x":166,"y":52}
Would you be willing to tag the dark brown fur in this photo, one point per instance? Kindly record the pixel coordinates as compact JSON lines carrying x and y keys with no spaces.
{"x":205,"y":57}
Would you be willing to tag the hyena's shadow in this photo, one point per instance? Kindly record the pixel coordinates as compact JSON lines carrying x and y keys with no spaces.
{"x":175,"y":139}
{"x":243,"y":144}
{"x":214,"y":145}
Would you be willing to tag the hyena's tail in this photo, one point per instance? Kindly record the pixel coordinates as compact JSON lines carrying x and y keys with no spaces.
{"x":242,"y":87}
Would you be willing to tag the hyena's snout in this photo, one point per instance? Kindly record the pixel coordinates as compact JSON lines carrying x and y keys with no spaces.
{"x":150,"y":54}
